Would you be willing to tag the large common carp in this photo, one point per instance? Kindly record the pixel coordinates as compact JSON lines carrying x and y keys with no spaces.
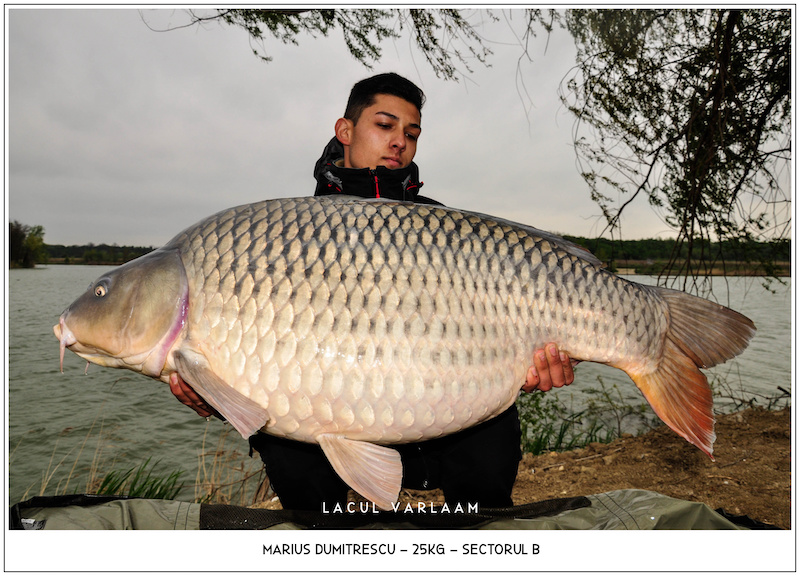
{"x":358,"y":324}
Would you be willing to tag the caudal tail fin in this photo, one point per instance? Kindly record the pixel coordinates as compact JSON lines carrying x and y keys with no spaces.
{"x":701,"y":334}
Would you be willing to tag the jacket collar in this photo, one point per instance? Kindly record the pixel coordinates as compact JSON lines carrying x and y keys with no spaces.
{"x":333,"y":178}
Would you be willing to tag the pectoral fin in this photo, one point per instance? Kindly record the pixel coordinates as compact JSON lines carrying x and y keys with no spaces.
{"x":243,"y":414}
{"x":373,"y":471}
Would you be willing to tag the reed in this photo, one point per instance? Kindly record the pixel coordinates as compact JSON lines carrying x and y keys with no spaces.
{"x":731,"y":389}
{"x":225,"y":475}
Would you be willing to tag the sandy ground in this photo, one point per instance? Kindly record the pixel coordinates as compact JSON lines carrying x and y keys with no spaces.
{"x":751,"y":474}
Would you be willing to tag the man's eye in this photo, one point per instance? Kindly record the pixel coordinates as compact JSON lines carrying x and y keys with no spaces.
{"x":412,"y":137}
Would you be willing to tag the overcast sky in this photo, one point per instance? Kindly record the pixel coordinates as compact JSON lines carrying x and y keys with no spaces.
{"x":120,"y":134}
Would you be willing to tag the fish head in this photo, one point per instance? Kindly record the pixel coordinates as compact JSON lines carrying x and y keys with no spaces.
{"x":131,"y":316}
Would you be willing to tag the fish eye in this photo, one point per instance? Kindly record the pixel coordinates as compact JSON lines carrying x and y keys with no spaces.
{"x":100,"y":290}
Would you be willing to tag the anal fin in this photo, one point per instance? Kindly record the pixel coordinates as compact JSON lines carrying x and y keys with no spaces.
{"x":373,"y":471}
{"x":245,"y":415}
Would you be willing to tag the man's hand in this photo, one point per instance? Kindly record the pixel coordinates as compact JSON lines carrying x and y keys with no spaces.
{"x":189,"y":397}
{"x":550,"y":368}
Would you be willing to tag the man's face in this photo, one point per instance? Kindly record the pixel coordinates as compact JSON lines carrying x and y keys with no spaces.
{"x":386,"y":134}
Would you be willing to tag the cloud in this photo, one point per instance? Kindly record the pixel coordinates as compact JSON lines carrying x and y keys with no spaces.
{"x":121,"y":134}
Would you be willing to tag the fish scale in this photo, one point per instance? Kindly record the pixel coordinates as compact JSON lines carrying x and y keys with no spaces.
{"x":352,"y":241}
{"x":357,"y":324}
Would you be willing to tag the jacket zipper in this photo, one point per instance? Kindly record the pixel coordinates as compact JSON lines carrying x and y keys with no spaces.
{"x":377,"y":188}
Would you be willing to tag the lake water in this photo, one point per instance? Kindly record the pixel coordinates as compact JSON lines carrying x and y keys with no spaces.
{"x":59,"y":423}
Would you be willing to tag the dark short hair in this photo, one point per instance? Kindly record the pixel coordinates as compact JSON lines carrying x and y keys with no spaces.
{"x":363,"y":93}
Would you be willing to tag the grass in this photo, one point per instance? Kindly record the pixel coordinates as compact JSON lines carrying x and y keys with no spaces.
{"x":550,"y":425}
{"x":140,"y":482}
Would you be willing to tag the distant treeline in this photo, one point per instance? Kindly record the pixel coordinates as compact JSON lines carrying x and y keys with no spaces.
{"x":636,"y":256}
{"x":651,"y":256}
{"x":94,"y":253}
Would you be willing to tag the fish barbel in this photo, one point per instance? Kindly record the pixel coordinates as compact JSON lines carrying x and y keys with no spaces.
{"x":357,"y":324}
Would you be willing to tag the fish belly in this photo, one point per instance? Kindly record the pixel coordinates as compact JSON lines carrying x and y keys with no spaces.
{"x":394,"y":322}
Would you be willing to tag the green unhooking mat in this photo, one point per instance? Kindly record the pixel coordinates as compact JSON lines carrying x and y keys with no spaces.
{"x":616,"y":510}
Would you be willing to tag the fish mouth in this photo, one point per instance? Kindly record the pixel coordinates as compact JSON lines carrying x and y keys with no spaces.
{"x":66,"y":339}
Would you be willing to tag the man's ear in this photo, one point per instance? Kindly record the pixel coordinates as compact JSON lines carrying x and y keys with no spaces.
{"x":344,"y":131}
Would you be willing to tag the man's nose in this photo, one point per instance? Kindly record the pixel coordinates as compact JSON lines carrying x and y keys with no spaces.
{"x":399,"y":141}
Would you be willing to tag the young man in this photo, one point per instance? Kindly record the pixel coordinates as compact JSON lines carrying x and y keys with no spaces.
{"x":371,"y":155}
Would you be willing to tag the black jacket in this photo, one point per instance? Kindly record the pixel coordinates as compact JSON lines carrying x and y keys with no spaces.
{"x":478,"y":465}
{"x":382,"y":182}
